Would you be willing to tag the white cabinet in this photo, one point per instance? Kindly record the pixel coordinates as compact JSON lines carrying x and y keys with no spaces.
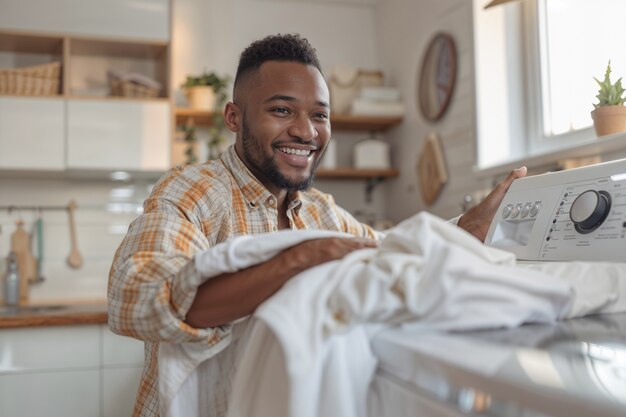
{"x":122,"y":365}
{"x":147,"y":19}
{"x":54,"y":394}
{"x":32,"y":133}
{"x":119,"y":390}
{"x":65,"y":371}
{"x":117,"y":135}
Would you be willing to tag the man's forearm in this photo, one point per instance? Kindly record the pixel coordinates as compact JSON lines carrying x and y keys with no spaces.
{"x":228,"y":297}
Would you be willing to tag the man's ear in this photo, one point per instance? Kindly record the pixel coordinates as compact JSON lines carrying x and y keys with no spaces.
{"x":232,"y":117}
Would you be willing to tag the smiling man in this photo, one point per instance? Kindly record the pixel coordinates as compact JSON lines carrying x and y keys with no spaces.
{"x":280,"y":114}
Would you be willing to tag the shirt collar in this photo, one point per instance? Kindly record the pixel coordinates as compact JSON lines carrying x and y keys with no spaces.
{"x":253,"y":191}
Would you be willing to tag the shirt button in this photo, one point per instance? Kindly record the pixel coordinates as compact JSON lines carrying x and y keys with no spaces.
{"x":271,"y":201}
{"x":274,"y":228}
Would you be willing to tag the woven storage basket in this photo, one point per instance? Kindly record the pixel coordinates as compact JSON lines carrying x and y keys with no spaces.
{"x":122,"y":88}
{"x":38,"y":80}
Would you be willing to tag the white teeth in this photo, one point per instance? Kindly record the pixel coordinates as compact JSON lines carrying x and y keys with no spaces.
{"x":299,"y":152}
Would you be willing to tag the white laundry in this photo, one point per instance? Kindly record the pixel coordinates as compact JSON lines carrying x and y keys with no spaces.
{"x":184,"y":388}
{"x":307,"y":354}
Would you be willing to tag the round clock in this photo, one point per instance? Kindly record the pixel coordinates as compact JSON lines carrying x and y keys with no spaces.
{"x":437,"y":77}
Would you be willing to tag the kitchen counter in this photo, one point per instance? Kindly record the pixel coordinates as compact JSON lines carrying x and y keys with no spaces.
{"x":53,"y":315}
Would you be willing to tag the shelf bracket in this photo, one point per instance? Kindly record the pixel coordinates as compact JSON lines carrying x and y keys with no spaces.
{"x":369,"y":187}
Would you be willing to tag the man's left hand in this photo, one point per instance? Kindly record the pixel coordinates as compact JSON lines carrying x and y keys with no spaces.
{"x":478,"y":219}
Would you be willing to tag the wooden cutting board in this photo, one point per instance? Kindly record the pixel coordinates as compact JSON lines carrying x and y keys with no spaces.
{"x":431,"y":169}
{"x":26,"y":262}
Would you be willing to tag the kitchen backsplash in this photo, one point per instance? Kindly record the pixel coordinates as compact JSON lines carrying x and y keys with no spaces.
{"x":105,"y":209}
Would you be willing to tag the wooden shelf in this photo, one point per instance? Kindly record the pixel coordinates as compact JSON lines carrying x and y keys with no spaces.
{"x":32,"y":43}
{"x":118,"y":48}
{"x":338,"y":122}
{"x":115,"y":98}
{"x":360,"y":123}
{"x":354,"y":173}
{"x":200,"y":118}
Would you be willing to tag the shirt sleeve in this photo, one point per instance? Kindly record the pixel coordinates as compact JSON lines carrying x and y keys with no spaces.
{"x":153,"y":279}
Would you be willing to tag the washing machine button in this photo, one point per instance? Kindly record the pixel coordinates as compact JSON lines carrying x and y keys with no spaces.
{"x":525,"y":211}
{"x":516,"y":210}
{"x":506,"y":211}
{"x":534,"y":209}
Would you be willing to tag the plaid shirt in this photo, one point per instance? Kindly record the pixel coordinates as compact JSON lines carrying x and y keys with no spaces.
{"x":153,"y":279}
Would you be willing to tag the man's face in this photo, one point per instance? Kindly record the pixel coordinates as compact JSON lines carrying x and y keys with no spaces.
{"x":285,"y":124}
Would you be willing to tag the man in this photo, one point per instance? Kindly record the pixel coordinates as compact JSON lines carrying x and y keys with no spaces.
{"x":280,"y":114}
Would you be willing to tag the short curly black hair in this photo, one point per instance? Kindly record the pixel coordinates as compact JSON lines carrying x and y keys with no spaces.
{"x":289,"y":47}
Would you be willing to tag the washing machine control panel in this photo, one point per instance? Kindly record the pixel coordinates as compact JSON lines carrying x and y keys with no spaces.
{"x":578,"y":214}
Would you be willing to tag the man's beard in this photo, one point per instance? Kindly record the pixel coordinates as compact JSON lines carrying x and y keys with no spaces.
{"x":254,"y":154}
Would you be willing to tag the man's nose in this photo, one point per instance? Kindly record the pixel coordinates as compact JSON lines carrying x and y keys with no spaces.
{"x":303,"y":128}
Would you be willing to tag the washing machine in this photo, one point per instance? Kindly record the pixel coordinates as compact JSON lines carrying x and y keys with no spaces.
{"x":567,"y":369}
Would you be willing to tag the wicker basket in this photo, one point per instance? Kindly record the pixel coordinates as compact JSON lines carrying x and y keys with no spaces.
{"x":123,"y":88}
{"x":38,"y":80}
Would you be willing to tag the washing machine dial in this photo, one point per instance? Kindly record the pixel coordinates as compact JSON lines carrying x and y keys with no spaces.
{"x":589,"y":210}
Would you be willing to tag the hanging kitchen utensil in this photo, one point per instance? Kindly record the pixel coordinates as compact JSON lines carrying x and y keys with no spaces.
{"x":37,"y":235}
{"x":74,"y":259}
{"x":26,"y":262}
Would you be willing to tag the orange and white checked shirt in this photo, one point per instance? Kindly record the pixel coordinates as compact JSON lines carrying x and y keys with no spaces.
{"x":153,"y":279}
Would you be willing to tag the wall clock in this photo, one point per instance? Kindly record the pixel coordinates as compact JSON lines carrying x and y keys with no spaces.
{"x":437,"y":77}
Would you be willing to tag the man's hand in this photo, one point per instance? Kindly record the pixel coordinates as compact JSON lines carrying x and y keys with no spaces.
{"x":478,"y":218}
{"x":230,"y":296}
{"x":318,"y":251}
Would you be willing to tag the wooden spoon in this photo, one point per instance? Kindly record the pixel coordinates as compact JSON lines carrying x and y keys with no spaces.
{"x":74,"y":259}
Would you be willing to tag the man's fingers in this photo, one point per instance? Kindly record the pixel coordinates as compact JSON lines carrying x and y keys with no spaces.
{"x":513,"y":175}
{"x":361,"y":242}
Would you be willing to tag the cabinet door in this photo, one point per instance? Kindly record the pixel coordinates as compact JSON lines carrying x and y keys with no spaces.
{"x":32,"y":133}
{"x":119,"y":390}
{"x":147,"y":19}
{"x":114,"y":135}
{"x":121,"y":351}
{"x":50,"y":371}
{"x":52,"y":394}
{"x":49,"y":348}
{"x":122,"y":365}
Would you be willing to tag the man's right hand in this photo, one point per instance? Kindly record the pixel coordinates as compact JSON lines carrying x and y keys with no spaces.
{"x":478,"y":219}
{"x":228,"y":297}
{"x":318,"y":251}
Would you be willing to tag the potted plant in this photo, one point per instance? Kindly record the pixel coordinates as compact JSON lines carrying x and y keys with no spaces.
{"x":609,"y":115}
{"x":195,"y":88}
{"x":202,"y":90}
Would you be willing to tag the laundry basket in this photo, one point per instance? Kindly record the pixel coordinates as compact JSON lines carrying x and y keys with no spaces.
{"x":123,"y":88}
{"x":132,"y":85}
{"x":38,"y":80}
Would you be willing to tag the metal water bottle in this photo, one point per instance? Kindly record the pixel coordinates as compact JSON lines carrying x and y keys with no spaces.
{"x":12,"y":282}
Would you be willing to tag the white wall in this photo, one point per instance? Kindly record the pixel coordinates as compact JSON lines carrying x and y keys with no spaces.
{"x":210,"y":34}
{"x":405,"y":27}
{"x":104,"y":211}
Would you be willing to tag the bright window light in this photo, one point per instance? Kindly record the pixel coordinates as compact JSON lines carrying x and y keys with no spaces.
{"x":579,"y":37}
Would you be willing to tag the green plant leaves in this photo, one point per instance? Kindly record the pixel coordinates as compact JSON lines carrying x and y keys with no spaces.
{"x":610,"y":94}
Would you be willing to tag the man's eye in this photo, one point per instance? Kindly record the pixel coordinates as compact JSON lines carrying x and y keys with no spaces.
{"x":281,"y":110}
{"x":321,"y":116}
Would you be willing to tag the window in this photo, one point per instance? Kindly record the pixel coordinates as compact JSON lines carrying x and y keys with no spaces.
{"x":535,"y":62}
